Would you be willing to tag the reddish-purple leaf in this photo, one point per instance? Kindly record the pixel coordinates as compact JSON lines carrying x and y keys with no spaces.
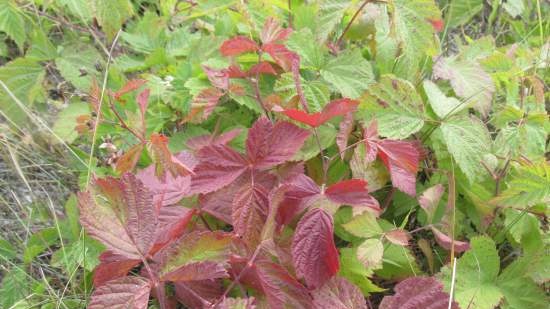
{"x":206,"y":101}
{"x":346,"y":127}
{"x":219,"y":166}
{"x":338,"y":293}
{"x":173,"y":222}
{"x":418,"y":292}
{"x":300,"y":190}
{"x":335,"y":108}
{"x":237,"y":303}
{"x":273,"y":32}
{"x":401,"y":159}
{"x":238,"y":45}
{"x":263,"y":67}
{"x":130,"y":85}
{"x":112,"y":266}
{"x":370,"y":134}
{"x":268,"y":145}
{"x":280,"y":288}
{"x":196,"y":256}
{"x":199,"y":294}
{"x":447,"y":242}
{"x":125,"y":292}
{"x":121,"y":214}
{"x":398,"y":236}
{"x":168,"y":191}
{"x":196,"y":143}
{"x":352,"y":192}
{"x":285,"y":58}
{"x":250,"y":206}
{"x":314,"y":253}
{"x":164,"y":161}
{"x":220,"y":203}
{"x":218,"y":78}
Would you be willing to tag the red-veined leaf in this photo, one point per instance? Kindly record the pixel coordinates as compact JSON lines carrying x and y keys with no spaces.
{"x":352,"y":192}
{"x":273,"y":32}
{"x":282,"y":55}
{"x":218,"y":78}
{"x":238,"y":45}
{"x":196,"y":143}
{"x":314,"y":253}
{"x":129,"y":159}
{"x":121,"y":214}
{"x":207,"y":100}
{"x":370,"y":134}
{"x":335,"y":108}
{"x":168,"y":191}
{"x":164,"y":161}
{"x":199,"y":294}
{"x":173,"y":222}
{"x":196,"y":256}
{"x":250,"y":206}
{"x":125,"y":292}
{"x":112,"y":266}
{"x":268,"y":145}
{"x":130,"y":85}
{"x":418,"y":292}
{"x":219,"y":166}
{"x":300,"y":190}
{"x":346,"y":127}
{"x":338,"y":293}
{"x":280,"y":288}
{"x":401,"y":159}
{"x":447,"y":242}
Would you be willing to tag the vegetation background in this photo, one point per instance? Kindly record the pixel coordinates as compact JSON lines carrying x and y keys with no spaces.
{"x":466,"y":78}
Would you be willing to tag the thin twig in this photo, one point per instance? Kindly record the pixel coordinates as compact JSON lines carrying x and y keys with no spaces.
{"x":351,"y":22}
{"x":123,"y":123}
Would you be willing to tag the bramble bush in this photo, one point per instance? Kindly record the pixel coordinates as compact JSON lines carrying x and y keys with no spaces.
{"x":265,"y":154}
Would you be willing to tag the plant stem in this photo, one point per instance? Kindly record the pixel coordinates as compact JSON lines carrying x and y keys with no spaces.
{"x":123,"y":123}
{"x":351,"y":22}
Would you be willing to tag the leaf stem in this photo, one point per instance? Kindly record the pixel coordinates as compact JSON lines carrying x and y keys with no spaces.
{"x":351,"y":22}
{"x":123,"y":123}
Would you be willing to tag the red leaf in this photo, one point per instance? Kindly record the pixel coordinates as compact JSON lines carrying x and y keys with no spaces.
{"x":352,"y":192}
{"x":220,"y":203}
{"x":219,"y":166}
{"x":120,"y":214}
{"x":173,"y":222}
{"x":437,"y":24}
{"x":234,"y":71}
{"x":282,"y":55}
{"x":207,"y":100}
{"x":164,"y":160}
{"x":346,"y":127}
{"x":263,"y":67}
{"x":130,"y":85}
{"x":196,"y":143}
{"x":398,"y":236}
{"x":314,"y":253}
{"x":370,"y":135}
{"x":196,"y":256}
{"x":269,"y":145}
{"x":273,"y":32}
{"x":447,"y":242}
{"x":112,"y":266}
{"x":126,"y":292}
{"x":167,"y":192}
{"x":280,"y":288}
{"x":129,"y":159}
{"x":218,"y":78}
{"x":401,"y":159}
{"x":418,"y":292}
{"x":238,"y":45}
{"x":237,"y":303}
{"x":301,"y":189}
{"x":338,"y":293}
{"x":430,"y":199}
{"x":335,"y":108}
{"x":143,"y":101}
{"x":250,"y":206}
{"x":198,"y":294}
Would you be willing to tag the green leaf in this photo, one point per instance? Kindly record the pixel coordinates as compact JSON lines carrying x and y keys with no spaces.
{"x":467,"y":140}
{"x":39,"y":242}
{"x":514,"y":7}
{"x":77,"y":64}
{"x":23,"y":77}
{"x":79,"y":253}
{"x":330,"y":14}
{"x":370,"y":253}
{"x":111,"y":14}
{"x":79,"y":8}
{"x":476,"y":275}
{"x":363,"y":225}
{"x":41,"y":47}
{"x":316,"y":92}
{"x":7,"y":251}
{"x":14,"y":287}
{"x":520,"y":292}
{"x":64,"y":126}
{"x":353,"y":270}
{"x":12,"y":22}
{"x":469,"y":81}
{"x":327,"y":136}
{"x":311,"y":53}
{"x":396,"y":105}
{"x":461,"y":12}
{"x":375,"y":173}
{"x":442,"y":105}
{"x":398,"y":263}
{"x":349,"y":73}
{"x":530,"y":185}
